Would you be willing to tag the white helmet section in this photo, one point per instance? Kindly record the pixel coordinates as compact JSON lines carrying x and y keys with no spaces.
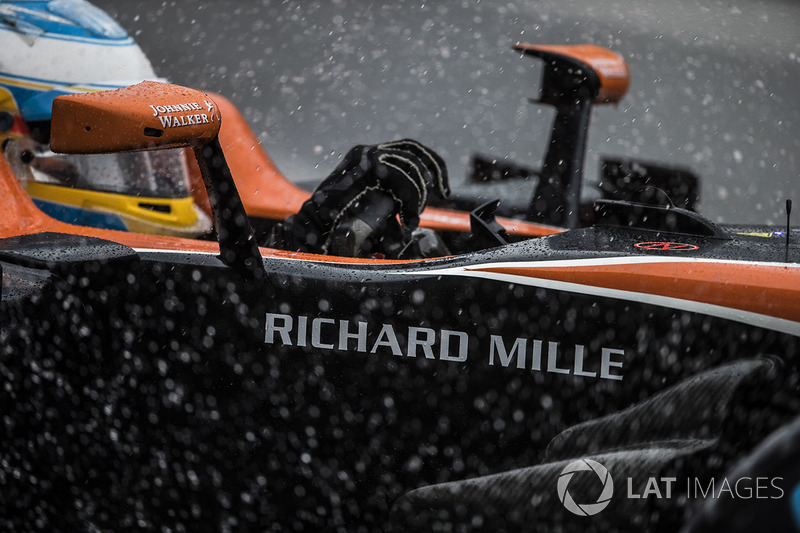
{"x":65,"y":44}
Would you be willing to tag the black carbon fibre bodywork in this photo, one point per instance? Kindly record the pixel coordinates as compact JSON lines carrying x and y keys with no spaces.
{"x":160,"y":389}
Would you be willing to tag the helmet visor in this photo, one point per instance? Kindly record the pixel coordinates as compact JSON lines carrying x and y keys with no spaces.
{"x":158,"y":174}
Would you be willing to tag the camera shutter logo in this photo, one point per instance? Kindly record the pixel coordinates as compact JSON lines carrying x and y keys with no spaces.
{"x":585,"y":509}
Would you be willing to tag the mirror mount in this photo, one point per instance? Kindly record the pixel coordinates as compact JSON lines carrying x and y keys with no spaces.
{"x":237,"y":242}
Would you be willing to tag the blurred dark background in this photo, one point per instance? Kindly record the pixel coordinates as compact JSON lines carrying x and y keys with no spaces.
{"x":714,"y":83}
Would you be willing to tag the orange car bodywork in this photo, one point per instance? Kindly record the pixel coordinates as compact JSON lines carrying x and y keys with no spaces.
{"x":761,"y":288}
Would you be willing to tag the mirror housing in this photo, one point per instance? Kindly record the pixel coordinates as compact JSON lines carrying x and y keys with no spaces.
{"x":148,"y":115}
{"x":605,"y":72}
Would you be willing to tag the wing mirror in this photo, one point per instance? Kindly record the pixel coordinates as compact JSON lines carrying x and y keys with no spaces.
{"x":153,"y":115}
{"x":575,"y":78}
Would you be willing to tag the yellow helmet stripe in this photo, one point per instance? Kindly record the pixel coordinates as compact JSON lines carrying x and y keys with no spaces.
{"x":174,"y":212}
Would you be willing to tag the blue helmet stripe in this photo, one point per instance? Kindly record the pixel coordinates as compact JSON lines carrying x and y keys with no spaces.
{"x":81,"y":217}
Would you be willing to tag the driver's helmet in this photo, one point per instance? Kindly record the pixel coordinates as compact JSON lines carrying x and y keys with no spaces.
{"x":66,"y":46}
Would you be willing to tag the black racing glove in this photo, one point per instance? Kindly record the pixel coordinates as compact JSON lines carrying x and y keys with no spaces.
{"x":372,"y":185}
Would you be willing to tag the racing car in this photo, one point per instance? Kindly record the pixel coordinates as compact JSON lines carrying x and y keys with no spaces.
{"x":156,"y":382}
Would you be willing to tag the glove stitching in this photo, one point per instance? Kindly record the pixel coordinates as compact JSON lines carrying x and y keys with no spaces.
{"x":439,"y":174}
{"x":422,"y":193}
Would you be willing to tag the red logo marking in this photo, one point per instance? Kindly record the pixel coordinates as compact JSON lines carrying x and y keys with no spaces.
{"x":677,"y":246}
